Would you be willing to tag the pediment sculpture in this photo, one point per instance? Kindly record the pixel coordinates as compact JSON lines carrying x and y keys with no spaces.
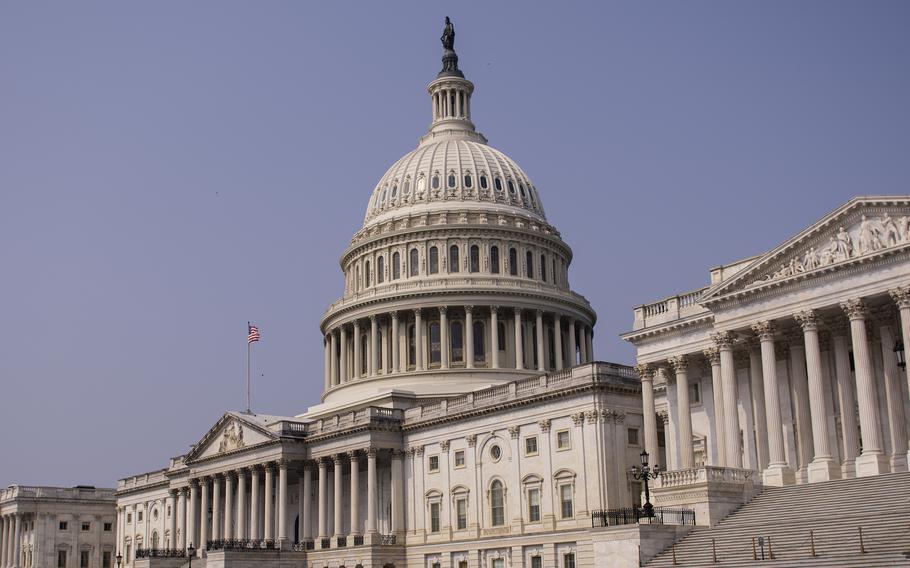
{"x":869,"y":235}
{"x":231,"y":437}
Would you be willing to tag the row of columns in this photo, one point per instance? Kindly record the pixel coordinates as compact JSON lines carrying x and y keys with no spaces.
{"x":10,"y":540}
{"x":573,"y":343}
{"x":451,"y":103}
{"x":816,"y":458}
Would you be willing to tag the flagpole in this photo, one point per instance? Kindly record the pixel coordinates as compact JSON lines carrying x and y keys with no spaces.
{"x":249,"y":352}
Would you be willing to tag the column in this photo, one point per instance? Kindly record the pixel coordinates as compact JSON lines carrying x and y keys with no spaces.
{"x":374,"y":349}
{"x":573,"y":348}
{"x":334,"y":349}
{"x":255,"y":503}
{"x":557,"y":340}
{"x":541,"y":353}
{"x":17,"y":544}
{"x":901,"y":297}
{"x":192,"y":525}
{"x":355,"y":492}
{"x":242,"y":517}
{"x":3,"y":540}
{"x":172,"y":522}
{"x":228,"y":505}
{"x":519,"y":348}
{"x":847,"y":400}
{"x":494,"y":337}
{"x":181,"y":519}
{"x":589,"y":342}
{"x":203,"y":518}
{"x":338,"y":493}
{"x":757,"y":389}
{"x":216,"y":508}
{"x":444,"y":337}
{"x":269,"y":503}
{"x":873,"y":460}
{"x":358,"y":368}
{"x":469,"y":336}
{"x":282,"y":502}
{"x":371,"y":490}
{"x":323,"y":495}
{"x":306,"y":500}
{"x":680,"y":365}
{"x":650,"y":415}
{"x":396,"y":346}
{"x":583,"y":345}
{"x":732,"y":451}
{"x":823,"y":467}
{"x":343,"y":363}
{"x":327,"y":346}
{"x":778,"y":472}
{"x":893,"y":393}
{"x":419,"y":341}
{"x":713,"y":356}
{"x":799,"y":383}
{"x":397,"y":492}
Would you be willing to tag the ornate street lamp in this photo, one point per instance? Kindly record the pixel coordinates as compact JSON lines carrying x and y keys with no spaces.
{"x":190,"y":551}
{"x":645,"y":473}
{"x":899,"y":352}
{"x":119,"y":559}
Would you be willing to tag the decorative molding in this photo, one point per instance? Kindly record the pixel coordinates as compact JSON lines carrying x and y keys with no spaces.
{"x":764,"y":330}
{"x":809,"y":320}
{"x":578,"y":418}
{"x":679,"y":363}
{"x":712,"y":354}
{"x":645,"y":371}
{"x":901,"y":296}
{"x":472,"y":440}
{"x":544,"y":425}
{"x":514,"y":431}
{"x":723,"y":340}
{"x":855,"y":308}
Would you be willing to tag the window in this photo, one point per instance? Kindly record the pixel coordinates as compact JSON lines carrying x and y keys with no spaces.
{"x":531,"y":446}
{"x":435,"y":342}
{"x":434,"y":260}
{"x":451,"y":180}
{"x":406,"y":188}
{"x":61,"y":559}
{"x":63,"y":525}
{"x":434,"y":183}
{"x":380,"y":270}
{"x":459,"y":458}
{"x":421,"y":184}
{"x":511,"y":187}
{"x":394,"y":192}
{"x":475,"y":259}
{"x":483,"y":181}
{"x":524,"y":193}
{"x":129,"y":552}
{"x":457,"y":341}
{"x":529,"y":265}
{"x":497,"y":183}
{"x":565,"y":501}
{"x":108,"y":527}
{"x":513,"y":262}
{"x":480,"y":344}
{"x":139,"y":516}
{"x":694,"y":393}
{"x":453,"y":259}
{"x":434,"y":517}
{"x":497,"y":504}
{"x":468,"y":182}
{"x":495,"y":452}
{"x":632,"y":433}
{"x":498,"y":563}
{"x":83,"y":558}
{"x":434,"y":463}
{"x":414,"y":263}
{"x":86,"y":527}
{"x":412,"y":345}
{"x":568,"y":560}
{"x":461,"y":513}
{"x":502,"y":335}
{"x":555,"y":274}
{"x":543,"y":268}
{"x":106,"y":559}
{"x":563,"y":441}
{"x":536,"y":562}
{"x":129,"y":517}
{"x":534,"y":505}
{"x":366,"y":282}
{"x":494,"y":260}
{"x":396,"y":266}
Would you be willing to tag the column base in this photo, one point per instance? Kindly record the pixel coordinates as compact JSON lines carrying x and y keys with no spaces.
{"x":848,"y":469}
{"x":802,"y":476}
{"x":898,"y":462}
{"x":823,"y":469}
{"x":871,"y":464}
{"x":778,"y":475}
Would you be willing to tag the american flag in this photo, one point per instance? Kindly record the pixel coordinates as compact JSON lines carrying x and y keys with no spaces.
{"x":253,"y":333}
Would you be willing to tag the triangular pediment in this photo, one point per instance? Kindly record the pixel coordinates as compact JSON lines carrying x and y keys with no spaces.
{"x":233,"y":432}
{"x":859,"y":231}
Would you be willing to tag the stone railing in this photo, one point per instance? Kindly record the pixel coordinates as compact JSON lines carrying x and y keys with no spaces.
{"x":705,"y":474}
{"x":669,"y":309}
{"x":144,"y":480}
{"x":40,"y":492}
{"x":527,"y":387}
{"x":351,"y":419}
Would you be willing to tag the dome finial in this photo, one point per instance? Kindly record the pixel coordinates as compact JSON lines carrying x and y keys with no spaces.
{"x":449,"y":57}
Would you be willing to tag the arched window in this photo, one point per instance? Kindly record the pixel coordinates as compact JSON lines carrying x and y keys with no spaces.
{"x":534,"y":343}
{"x":453,"y":259}
{"x":414,"y":263}
{"x":412,"y":346}
{"x":378,"y":347}
{"x":551,"y":347}
{"x":457,"y":333}
{"x":435,"y":344}
{"x":396,"y":266}
{"x":154,"y":539}
{"x":475,"y":258}
{"x":366,"y":274}
{"x":543,"y":268}
{"x":513,"y":262}
{"x":434,"y":183}
{"x":357,"y":277}
{"x":497,"y":504}
{"x":480,"y":345}
{"x":380,"y":270}
{"x":434,"y":260}
{"x":555,"y":274}
{"x":483,"y":181}
{"x":364,"y":354}
{"x":502,"y":335}
{"x":529,"y":259}
{"x":468,"y":182}
{"x":451,"y":179}
{"x":494,"y":259}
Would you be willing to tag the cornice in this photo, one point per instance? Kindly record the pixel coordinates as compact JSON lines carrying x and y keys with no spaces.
{"x":668,"y":328}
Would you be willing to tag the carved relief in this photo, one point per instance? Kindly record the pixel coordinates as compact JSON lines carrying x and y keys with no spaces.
{"x":231,"y":437}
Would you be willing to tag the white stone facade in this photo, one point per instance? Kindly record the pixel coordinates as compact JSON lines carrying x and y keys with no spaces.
{"x":57,"y":527}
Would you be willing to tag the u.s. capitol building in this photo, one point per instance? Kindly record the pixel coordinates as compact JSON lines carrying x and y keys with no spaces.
{"x":463,"y":422}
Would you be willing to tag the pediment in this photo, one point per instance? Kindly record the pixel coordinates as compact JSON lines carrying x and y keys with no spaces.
{"x":859,"y":231}
{"x":230,"y":434}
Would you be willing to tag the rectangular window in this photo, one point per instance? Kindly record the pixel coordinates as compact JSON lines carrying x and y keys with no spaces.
{"x":106,"y":559}
{"x":434,"y":517}
{"x":61,"y":559}
{"x":462,"y":564}
{"x":108,"y":527}
{"x":86,"y":527}
{"x":498,"y":563}
{"x":129,"y":517}
{"x":139,"y":517}
{"x":536,"y":562}
{"x":434,"y":463}
{"x":435,"y":565}
{"x":129,"y":552}
{"x":568,"y":560}
{"x":694,"y":393}
{"x":633,"y":436}
{"x":63,"y":525}
{"x":83,"y":559}
{"x":461,"y":513}
{"x":459,"y":458}
{"x":534,"y":505}
{"x":563,"y":441}
{"x":565,"y":498}
{"x":531,"y":446}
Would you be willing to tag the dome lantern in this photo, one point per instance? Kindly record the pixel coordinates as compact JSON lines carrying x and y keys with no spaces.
{"x":450,"y":92}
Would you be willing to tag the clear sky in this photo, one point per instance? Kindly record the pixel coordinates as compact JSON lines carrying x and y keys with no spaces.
{"x":170,"y":170}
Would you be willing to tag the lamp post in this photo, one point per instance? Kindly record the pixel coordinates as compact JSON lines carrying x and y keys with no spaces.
{"x":644,"y":473}
{"x":190,"y":551}
{"x":899,"y":353}
{"x":119,"y":559}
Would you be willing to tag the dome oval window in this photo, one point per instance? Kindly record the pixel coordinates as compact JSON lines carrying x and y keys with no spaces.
{"x":421,"y":184}
{"x":511,"y":187}
{"x":406,"y":188}
{"x":382,"y":198}
{"x":451,"y":180}
{"x":435,"y":182}
{"x":380,"y":270}
{"x":524,"y":193}
{"x":483,"y":182}
{"x":394,"y":192}
{"x":497,"y":183}
{"x":468,"y":182}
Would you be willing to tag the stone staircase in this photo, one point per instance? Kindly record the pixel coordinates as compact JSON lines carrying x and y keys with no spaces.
{"x":834,"y":511}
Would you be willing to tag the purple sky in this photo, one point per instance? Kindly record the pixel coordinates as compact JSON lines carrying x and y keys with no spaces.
{"x":170,"y":170}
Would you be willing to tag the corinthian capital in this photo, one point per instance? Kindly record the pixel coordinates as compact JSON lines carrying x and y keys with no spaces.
{"x":764,"y":330}
{"x":854,"y":308}
{"x":679,"y":363}
{"x":645,"y":371}
{"x":901,"y":296}
{"x":807,"y":319}
{"x":712,"y":354}
{"x":722,"y":339}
